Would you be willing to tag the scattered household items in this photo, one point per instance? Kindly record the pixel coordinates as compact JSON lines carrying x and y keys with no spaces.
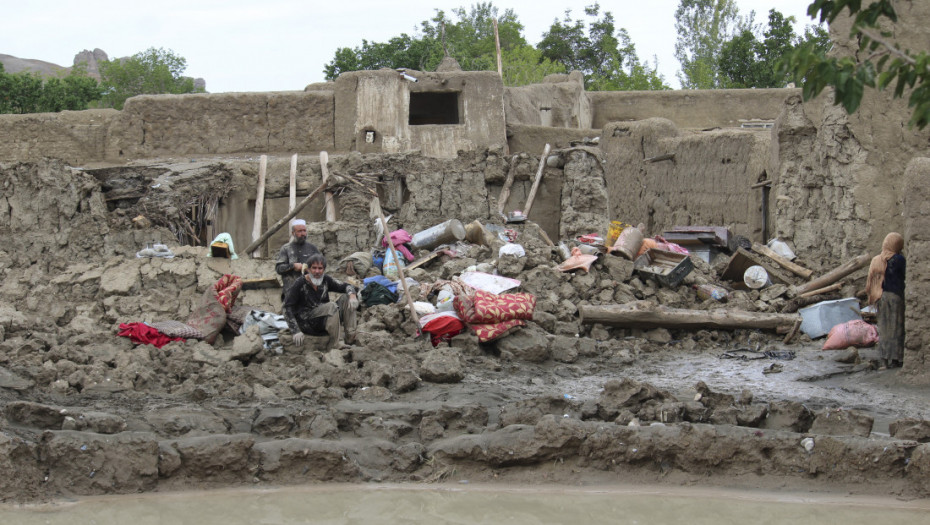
{"x":205,"y":322}
{"x":644,"y":315}
{"x":781,"y":248}
{"x":375,"y":293}
{"x":487,"y":282}
{"x":491,"y":316}
{"x":269,"y":324}
{"x":511,"y":249}
{"x":755,"y":277}
{"x":153,"y":249}
{"x":748,"y":354}
{"x":613,"y":232}
{"x":818,"y":319}
{"x":222,"y":246}
{"x":741,"y":260}
{"x":628,"y":243}
{"x":857,"y":333}
{"x":442,"y":326}
{"x":703,"y":241}
{"x":666,"y":268}
{"x":356,"y":264}
{"x":578,"y":261}
{"x":516,"y":217}
{"x":445,"y":233}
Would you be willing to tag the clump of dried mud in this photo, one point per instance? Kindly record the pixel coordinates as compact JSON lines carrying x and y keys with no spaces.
{"x":83,"y":411}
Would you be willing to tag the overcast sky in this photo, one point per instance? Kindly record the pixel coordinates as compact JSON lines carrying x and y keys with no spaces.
{"x":280,"y":45}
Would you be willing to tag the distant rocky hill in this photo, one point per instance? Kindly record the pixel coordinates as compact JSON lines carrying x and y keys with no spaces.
{"x":90,"y":59}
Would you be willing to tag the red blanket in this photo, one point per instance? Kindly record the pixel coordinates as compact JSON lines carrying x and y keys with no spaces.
{"x":143,"y":334}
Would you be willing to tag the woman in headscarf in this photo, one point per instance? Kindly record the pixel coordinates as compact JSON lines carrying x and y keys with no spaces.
{"x":885,"y":286}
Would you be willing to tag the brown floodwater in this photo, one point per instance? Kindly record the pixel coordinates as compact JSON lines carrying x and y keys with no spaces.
{"x":472,"y":504}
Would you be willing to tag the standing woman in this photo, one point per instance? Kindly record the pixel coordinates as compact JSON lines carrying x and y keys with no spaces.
{"x":885,"y":286}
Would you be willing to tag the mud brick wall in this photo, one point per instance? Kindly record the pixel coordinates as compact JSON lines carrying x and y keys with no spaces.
{"x":275,"y":122}
{"x":701,"y":109}
{"x":73,"y":136}
{"x":917,"y":250}
{"x":707,"y":183}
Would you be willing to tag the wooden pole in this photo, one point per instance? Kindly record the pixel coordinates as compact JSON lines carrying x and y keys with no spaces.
{"x":827,"y":289}
{"x":539,"y":173}
{"x":376,"y":210}
{"x":505,"y":191}
{"x":283,"y":220}
{"x":259,"y":202}
{"x":292,"y":201}
{"x":328,"y":197}
{"x":497,"y":45}
{"x":781,"y":261}
{"x":834,"y":276}
{"x":641,"y":314}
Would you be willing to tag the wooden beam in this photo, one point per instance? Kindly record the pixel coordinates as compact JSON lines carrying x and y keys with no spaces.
{"x":539,"y":174}
{"x":328,"y":197}
{"x":259,"y":203}
{"x":834,"y":276}
{"x":819,"y":291}
{"x":642,"y":314}
{"x":505,"y":191}
{"x":283,"y":220}
{"x":781,"y":261}
{"x":292,"y":200}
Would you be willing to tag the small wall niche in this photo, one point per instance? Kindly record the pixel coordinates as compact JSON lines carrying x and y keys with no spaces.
{"x":434,"y":107}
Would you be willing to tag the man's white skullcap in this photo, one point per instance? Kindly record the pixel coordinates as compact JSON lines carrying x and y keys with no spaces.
{"x":298,"y":222}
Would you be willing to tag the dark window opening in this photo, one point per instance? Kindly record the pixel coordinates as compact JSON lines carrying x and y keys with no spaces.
{"x":434,"y":108}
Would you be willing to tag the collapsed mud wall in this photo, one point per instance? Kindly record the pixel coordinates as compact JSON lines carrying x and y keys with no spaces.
{"x":725,"y":108}
{"x":662,"y":176}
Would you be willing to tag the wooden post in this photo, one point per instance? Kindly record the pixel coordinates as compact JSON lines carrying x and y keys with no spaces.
{"x":376,"y":211}
{"x":781,"y":261}
{"x":292,"y":201}
{"x":819,"y":291}
{"x":497,"y":45}
{"x":328,"y":197}
{"x":259,"y":202}
{"x":539,"y":173}
{"x":834,"y":276}
{"x":505,"y":191}
{"x":283,"y":220}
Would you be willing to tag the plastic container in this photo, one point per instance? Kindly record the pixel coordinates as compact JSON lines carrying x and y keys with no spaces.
{"x":613,"y":231}
{"x":756,"y":277}
{"x":628,"y":243}
{"x":710,"y":291}
{"x":445,"y":233}
{"x":818,"y":319}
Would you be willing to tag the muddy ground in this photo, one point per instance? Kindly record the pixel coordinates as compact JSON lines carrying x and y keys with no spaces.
{"x":87,"y":412}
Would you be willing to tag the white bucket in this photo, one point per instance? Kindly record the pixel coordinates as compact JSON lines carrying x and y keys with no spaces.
{"x":756,"y":277}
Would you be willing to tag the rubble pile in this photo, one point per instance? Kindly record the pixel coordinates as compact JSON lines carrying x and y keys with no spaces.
{"x":83,"y":411}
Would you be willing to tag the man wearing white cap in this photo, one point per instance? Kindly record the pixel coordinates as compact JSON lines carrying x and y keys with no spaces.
{"x":293,"y":256}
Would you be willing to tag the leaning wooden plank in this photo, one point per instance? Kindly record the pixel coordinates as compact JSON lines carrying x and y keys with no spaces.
{"x":283,"y":220}
{"x":328,"y":198}
{"x":781,"y":261}
{"x":374,"y":209}
{"x":641,"y":314}
{"x":259,"y":203}
{"x":826,"y":289}
{"x":423,"y":260}
{"x":505,"y":191}
{"x":834,"y":276}
{"x":539,"y":174}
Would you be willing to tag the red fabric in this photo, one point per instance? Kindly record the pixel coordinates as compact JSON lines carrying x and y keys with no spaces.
{"x":398,"y":239}
{"x":485,"y":307}
{"x":227,"y":290}
{"x":443,"y":328}
{"x":143,"y":334}
{"x":491,"y":331}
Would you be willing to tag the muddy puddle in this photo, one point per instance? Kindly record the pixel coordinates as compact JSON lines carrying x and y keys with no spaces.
{"x":464,"y":503}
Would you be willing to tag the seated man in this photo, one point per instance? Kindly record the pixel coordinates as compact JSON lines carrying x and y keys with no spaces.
{"x":308,"y":310}
{"x":294,"y":255}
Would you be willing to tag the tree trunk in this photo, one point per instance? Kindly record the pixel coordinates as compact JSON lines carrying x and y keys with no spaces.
{"x":646,"y":315}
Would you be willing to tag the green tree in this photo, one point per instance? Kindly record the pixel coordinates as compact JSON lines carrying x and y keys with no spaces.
{"x":28,"y":93}
{"x":150,"y":72}
{"x":605,"y":55}
{"x":748,"y":61}
{"x":703,"y":26}
{"x":879,"y":62}
{"x":525,"y":65}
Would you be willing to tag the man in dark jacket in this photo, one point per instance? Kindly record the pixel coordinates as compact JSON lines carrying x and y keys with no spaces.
{"x":308,"y":310}
{"x":293,"y":256}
